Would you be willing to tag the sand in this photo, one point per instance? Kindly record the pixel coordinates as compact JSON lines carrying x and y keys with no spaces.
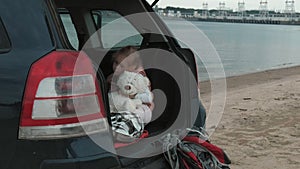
{"x":260,"y":126}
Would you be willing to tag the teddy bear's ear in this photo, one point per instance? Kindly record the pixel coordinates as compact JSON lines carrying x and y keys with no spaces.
{"x":122,"y":79}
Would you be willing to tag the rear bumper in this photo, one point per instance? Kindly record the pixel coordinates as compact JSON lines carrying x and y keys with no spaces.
{"x":72,"y":153}
{"x":85,"y":154}
{"x":105,"y":161}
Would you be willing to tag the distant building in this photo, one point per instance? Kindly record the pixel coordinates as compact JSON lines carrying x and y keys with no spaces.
{"x":178,"y":14}
{"x":161,"y":12}
{"x":196,"y":14}
{"x":171,"y":13}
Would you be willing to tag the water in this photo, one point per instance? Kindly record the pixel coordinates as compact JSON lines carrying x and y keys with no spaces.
{"x":248,"y":48}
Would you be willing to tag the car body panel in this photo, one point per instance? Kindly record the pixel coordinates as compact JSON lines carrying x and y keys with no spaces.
{"x":27,"y":46}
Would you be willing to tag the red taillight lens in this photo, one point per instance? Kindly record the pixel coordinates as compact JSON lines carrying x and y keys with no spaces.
{"x":62,"y":98}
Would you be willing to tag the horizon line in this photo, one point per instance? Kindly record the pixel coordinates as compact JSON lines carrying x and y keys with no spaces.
{"x":280,"y":10}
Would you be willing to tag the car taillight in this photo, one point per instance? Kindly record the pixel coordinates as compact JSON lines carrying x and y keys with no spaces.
{"x":62,"y":98}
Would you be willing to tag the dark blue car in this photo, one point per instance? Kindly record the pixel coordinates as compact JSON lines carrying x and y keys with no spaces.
{"x":50,"y":69}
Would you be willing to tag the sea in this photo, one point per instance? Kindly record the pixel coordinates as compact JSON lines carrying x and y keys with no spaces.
{"x":245,"y":48}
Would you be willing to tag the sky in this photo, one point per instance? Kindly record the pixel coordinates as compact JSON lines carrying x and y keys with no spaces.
{"x":232,"y":4}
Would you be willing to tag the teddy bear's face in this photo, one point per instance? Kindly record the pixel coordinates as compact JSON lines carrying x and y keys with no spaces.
{"x":131,"y":83}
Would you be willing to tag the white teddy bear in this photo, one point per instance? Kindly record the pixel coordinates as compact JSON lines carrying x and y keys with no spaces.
{"x":132,"y":93}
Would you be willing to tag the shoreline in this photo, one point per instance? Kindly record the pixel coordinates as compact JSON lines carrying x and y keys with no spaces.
{"x":252,"y":78}
{"x":260,"y":123}
{"x":241,"y":20}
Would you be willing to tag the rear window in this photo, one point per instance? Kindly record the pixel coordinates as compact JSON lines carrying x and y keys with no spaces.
{"x":116,"y":30}
{"x":4,"y":40}
{"x":70,"y":29}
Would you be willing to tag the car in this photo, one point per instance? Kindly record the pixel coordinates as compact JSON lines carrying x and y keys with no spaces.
{"x":49,"y":67}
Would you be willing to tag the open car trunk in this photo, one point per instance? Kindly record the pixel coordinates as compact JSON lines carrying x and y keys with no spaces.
{"x":170,"y":68}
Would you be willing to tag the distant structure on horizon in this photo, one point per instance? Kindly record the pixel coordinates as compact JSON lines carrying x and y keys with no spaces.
{"x":205,"y":12}
{"x":241,"y":8}
{"x":263,"y":8}
{"x":290,"y":9}
{"x":222,"y":9}
{"x":289,"y":6}
{"x":222,"y":13}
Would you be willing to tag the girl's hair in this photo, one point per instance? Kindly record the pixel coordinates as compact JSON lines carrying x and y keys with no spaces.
{"x":129,"y":51}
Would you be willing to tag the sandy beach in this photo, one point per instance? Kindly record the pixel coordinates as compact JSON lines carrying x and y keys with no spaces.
{"x":260,"y":126}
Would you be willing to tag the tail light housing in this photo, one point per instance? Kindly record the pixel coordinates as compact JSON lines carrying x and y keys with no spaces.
{"x":62,"y":98}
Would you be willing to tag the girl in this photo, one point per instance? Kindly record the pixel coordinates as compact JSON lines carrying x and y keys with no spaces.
{"x":128,"y":59}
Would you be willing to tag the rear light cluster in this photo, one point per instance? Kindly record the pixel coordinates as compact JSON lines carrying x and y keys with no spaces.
{"x":62,"y":98}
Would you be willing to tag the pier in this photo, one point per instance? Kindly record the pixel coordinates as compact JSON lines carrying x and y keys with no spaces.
{"x":287,"y":16}
{"x":249,"y":19}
